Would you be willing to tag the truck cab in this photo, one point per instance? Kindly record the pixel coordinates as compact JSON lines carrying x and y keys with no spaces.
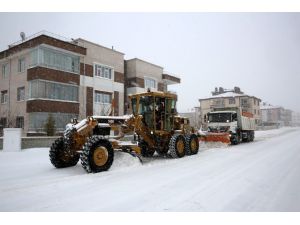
{"x":238,"y":124}
{"x":222,"y":121}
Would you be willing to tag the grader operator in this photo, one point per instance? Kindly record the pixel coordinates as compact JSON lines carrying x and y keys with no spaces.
{"x":154,"y":123}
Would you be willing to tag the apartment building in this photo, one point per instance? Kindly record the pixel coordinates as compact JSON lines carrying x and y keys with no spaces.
{"x":47,"y":75}
{"x":296,"y":119}
{"x":230,"y":98}
{"x":275,"y":115}
{"x":40,"y":76}
{"x":141,"y":76}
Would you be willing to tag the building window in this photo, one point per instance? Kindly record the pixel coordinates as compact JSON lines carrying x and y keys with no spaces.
{"x":255,"y":111}
{"x":21,"y":94}
{"x":218,"y":103}
{"x":150,"y":83}
{"x":20,"y":122}
{"x":4,"y":97}
{"x":55,"y":59}
{"x":52,"y":90}
{"x":3,"y":122}
{"x":104,"y":98}
{"x":5,"y":70}
{"x":37,"y":121}
{"x":21,"y":65}
{"x":231,"y":101}
{"x":103,"y":71}
{"x":244,"y":102}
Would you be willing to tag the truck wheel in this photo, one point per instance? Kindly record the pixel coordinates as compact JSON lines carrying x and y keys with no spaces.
{"x":248,"y":136}
{"x":235,"y":139}
{"x":192,"y":144}
{"x":97,"y":155}
{"x":252,"y":136}
{"x":177,"y":146}
{"x":145,"y":150}
{"x":60,"y":157}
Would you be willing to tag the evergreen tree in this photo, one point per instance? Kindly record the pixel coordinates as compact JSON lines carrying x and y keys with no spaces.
{"x":50,"y":126}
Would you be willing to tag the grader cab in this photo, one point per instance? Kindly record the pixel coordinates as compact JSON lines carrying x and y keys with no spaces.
{"x":161,"y":130}
{"x":155,"y":125}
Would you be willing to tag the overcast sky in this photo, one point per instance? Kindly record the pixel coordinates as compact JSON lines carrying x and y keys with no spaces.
{"x":259,"y":52}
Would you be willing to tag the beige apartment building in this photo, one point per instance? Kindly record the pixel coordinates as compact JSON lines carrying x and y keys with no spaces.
{"x":47,"y":75}
{"x":141,"y":76}
{"x":230,"y":98}
{"x":276,"y":115}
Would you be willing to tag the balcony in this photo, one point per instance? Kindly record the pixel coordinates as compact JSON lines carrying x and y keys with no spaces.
{"x":169,"y":78}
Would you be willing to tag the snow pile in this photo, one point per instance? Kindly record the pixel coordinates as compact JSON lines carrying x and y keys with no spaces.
{"x":265,"y":134}
{"x":123,"y":160}
{"x":208,"y":145}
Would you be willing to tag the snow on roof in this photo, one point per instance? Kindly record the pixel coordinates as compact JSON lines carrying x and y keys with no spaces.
{"x":225,"y":95}
{"x":270,"y":107}
{"x":227,"y":111}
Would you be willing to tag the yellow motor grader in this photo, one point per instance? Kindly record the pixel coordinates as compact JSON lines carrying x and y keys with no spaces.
{"x":154,"y":124}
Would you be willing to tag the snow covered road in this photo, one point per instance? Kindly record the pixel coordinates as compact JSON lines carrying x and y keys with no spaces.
{"x":260,"y":176}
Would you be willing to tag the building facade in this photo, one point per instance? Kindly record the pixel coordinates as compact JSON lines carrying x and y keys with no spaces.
{"x":276,"y":116}
{"x":194,"y":116}
{"x":40,"y":76}
{"x":232,"y":98}
{"x":296,"y":119}
{"x":141,"y":76}
{"x":46,"y":75}
{"x":101,"y":88}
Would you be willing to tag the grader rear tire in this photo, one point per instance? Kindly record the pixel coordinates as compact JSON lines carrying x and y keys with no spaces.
{"x":59,"y":157}
{"x":192,"y":144}
{"x":177,"y":146}
{"x":97,"y":155}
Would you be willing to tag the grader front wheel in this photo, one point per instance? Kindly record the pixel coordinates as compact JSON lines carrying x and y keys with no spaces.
{"x":97,"y":155}
{"x":60,"y":157}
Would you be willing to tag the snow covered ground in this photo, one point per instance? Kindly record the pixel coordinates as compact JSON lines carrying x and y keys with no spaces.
{"x":260,"y":176}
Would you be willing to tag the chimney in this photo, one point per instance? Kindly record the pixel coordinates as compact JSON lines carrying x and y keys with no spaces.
{"x":215,"y":92}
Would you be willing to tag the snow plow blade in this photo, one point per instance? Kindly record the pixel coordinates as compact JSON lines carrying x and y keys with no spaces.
{"x":216,"y":137}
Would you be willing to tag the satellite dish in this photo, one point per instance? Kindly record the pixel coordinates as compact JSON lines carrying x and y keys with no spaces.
{"x":22,"y":34}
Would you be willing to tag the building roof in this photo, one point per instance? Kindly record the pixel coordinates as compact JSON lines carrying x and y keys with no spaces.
{"x":137,"y":59}
{"x":270,"y":107}
{"x":43,"y":37}
{"x":93,"y":43}
{"x":227,"y":95}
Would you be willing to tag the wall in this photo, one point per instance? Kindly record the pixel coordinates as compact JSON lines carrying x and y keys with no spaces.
{"x":15,"y":79}
{"x":139,"y":68}
{"x":33,"y":142}
{"x":97,"y":53}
